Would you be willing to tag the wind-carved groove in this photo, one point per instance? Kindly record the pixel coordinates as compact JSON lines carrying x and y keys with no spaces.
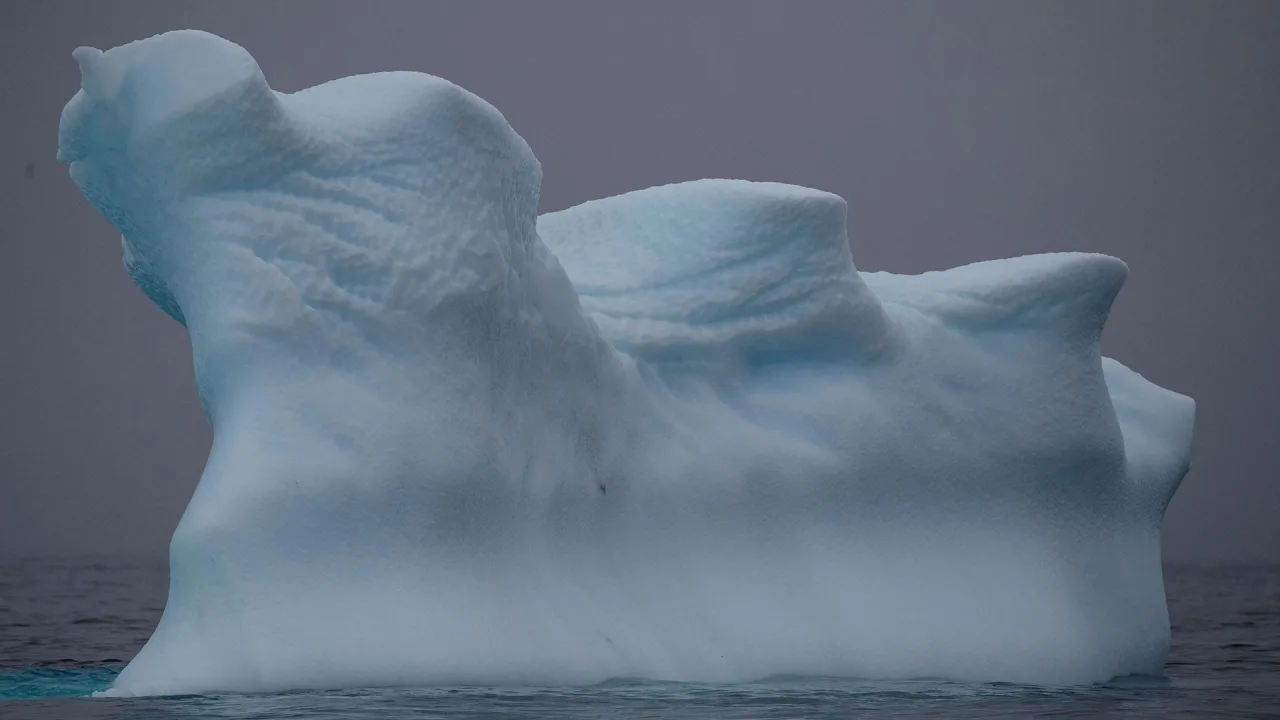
{"x":335,"y":250}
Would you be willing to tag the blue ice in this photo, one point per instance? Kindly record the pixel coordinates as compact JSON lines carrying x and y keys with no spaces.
{"x":672,"y":434}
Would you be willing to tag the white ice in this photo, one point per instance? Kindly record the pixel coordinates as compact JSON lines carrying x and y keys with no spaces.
{"x":672,"y":434}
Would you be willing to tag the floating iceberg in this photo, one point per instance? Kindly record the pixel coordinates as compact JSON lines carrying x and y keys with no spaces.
{"x":672,"y":434}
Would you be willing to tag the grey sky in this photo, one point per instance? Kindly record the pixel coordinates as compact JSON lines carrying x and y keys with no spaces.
{"x":957,"y":131}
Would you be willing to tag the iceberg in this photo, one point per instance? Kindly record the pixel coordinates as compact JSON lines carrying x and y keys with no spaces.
{"x":673,"y":434}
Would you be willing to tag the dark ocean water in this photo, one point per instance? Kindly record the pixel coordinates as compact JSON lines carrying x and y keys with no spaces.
{"x":68,"y":626}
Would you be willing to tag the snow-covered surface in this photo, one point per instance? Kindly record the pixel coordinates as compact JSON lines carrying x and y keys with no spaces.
{"x":672,"y":434}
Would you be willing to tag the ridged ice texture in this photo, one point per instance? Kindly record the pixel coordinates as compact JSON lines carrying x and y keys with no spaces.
{"x":710,"y":450}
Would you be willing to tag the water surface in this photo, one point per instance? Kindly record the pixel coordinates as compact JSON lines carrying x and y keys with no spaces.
{"x":67,"y":626}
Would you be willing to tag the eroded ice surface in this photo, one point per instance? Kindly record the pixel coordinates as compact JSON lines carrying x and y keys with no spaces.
{"x":672,"y":434}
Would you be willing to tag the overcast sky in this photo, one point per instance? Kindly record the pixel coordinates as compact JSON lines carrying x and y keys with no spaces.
{"x":957,"y":131}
